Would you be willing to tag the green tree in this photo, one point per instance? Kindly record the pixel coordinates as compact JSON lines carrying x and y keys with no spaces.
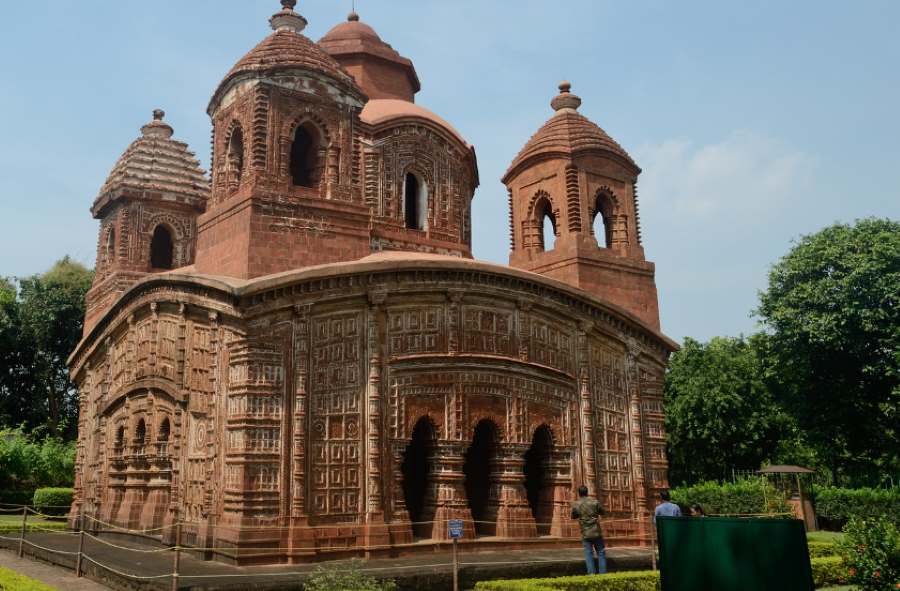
{"x":39,"y":328}
{"x":719,"y":411}
{"x":832,"y":309}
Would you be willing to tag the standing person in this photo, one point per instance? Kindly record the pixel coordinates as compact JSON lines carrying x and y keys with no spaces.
{"x":666,"y":508}
{"x":697,"y":510}
{"x":587,"y":510}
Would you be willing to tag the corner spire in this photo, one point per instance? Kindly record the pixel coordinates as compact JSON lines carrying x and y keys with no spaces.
{"x":286,"y":19}
{"x":565,"y":101}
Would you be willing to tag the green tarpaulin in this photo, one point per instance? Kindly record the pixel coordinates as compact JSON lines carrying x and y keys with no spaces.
{"x":725,"y":554}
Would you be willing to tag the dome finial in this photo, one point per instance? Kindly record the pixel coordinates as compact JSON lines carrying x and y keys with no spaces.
{"x":158,"y":114}
{"x":353,"y":16}
{"x":286,"y":19}
{"x":565,"y":101}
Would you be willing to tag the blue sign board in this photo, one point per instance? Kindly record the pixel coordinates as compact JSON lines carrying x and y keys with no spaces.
{"x":455,"y":528}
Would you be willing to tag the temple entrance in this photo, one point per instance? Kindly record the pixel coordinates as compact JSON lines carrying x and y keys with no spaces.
{"x":477,"y":468}
{"x":417,"y":483}
{"x":537,"y":476}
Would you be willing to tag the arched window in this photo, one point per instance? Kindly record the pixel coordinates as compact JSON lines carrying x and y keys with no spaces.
{"x":120,"y":437}
{"x":162,"y":438}
{"x":305,"y":162}
{"x":602,"y":224}
{"x":140,"y":434}
{"x":161,"y":248}
{"x":164,"y":429}
{"x":547,"y":225}
{"x":109,"y":249}
{"x":415,"y":202}
{"x":234,"y":157}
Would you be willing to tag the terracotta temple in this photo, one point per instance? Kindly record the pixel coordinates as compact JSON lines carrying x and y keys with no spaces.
{"x":297,"y":357}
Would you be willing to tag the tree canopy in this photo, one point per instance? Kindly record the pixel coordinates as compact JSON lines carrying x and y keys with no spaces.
{"x":832,"y":313}
{"x":40,"y":324}
{"x":719,"y":412}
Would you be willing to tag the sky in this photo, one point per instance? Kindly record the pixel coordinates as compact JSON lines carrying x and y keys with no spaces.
{"x":754,"y":122}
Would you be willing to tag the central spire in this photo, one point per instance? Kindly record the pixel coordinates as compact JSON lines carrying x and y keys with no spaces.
{"x":286,"y":19}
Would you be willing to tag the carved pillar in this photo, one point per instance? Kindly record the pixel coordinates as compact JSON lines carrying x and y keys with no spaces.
{"x":376,"y":533}
{"x":587,"y":465}
{"x":524,"y":328}
{"x":635,"y":425}
{"x":510,"y":504}
{"x":301,"y":536}
{"x":454,"y":326}
{"x":449,"y":486}
{"x":558,"y":486}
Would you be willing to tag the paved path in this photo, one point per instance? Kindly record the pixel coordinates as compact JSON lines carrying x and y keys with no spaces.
{"x":55,"y":576}
{"x":429,"y":570}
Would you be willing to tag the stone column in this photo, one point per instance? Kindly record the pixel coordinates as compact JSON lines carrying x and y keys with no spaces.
{"x":559,"y":493}
{"x":449,"y":487}
{"x":635,"y":427}
{"x":587,"y":465}
{"x":510,"y":505}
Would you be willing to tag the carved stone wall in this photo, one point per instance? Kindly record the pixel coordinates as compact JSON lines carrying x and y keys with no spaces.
{"x":289,"y":408}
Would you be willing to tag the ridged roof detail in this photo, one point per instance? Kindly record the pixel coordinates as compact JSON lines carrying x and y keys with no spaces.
{"x":155,"y":162}
{"x":287,"y":48}
{"x":568,"y":132}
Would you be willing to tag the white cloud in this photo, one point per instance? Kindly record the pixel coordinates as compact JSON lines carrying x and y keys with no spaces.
{"x":745,"y":173}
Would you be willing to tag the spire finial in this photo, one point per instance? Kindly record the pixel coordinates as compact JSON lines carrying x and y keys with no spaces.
{"x":353,"y":17}
{"x":157,"y":127}
{"x":565,"y":101}
{"x":286,"y":19}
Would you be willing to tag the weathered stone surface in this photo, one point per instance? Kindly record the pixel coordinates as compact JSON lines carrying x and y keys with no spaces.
{"x":325,"y":373}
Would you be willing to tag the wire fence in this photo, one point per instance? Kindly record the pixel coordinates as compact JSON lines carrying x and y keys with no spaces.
{"x":87,"y":524}
{"x":640,"y":530}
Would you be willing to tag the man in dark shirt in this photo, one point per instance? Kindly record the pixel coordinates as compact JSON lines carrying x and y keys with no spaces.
{"x":587,"y":510}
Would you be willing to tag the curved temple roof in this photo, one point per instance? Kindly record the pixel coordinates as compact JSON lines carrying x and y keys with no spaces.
{"x":156,"y":162}
{"x":568,"y":132}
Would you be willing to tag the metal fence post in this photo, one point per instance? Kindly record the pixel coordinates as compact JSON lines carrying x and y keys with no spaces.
{"x":176,"y":561}
{"x":80,"y":542}
{"x":22,"y":533}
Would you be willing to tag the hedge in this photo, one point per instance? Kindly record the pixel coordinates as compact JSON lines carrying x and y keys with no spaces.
{"x":625,"y":581}
{"x":835,"y":506}
{"x":53,"y":501}
{"x":822,"y":549}
{"x":16,"y":496}
{"x":828,"y":570}
{"x":750,"y":496}
{"x":12,"y":581}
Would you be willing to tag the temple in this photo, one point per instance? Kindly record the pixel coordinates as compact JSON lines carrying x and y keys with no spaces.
{"x":297,"y":357}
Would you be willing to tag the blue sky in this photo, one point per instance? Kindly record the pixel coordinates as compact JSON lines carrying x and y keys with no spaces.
{"x":754,"y":122}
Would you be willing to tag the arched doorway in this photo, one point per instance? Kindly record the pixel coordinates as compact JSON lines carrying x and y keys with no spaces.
{"x":417,"y":482}
{"x":477,"y":469}
{"x":537,"y":475}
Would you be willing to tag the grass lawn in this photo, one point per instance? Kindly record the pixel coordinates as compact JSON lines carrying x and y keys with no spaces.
{"x":12,"y":581}
{"x":11,"y":523}
{"x":824,"y":536}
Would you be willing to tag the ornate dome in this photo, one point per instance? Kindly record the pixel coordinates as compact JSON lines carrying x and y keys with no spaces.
{"x":286,"y":48}
{"x":379,"y":111}
{"x":155,"y":163}
{"x":353,"y":41}
{"x":568,"y":132}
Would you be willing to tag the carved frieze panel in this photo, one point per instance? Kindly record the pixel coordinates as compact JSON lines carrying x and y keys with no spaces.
{"x":487,"y":330}
{"x":335,"y":415}
{"x":416,"y":330}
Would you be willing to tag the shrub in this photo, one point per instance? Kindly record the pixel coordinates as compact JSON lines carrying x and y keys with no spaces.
{"x":16,"y":582}
{"x":28,"y":463}
{"x":17,"y":497}
{"x":345,"y":578}
{"x":626,"y":581}
{"x":871,"y":551}
{"x":750,"y":496}
{"x":828,"y":570}
{"x":836,"y":506}
{"x":822,"y":549}
{"x":53,"y":501}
